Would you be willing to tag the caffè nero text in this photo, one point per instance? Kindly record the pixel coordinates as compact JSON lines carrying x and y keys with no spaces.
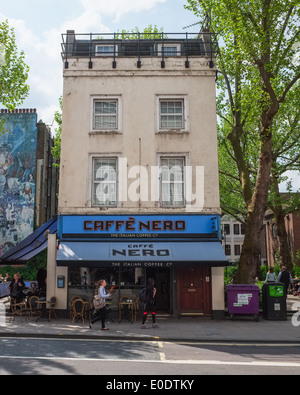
{"x":132,"y":225}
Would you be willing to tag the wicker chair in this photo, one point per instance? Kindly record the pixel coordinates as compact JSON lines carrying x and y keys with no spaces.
{"x":78,"y":310}
{"x":34,"y":307}
{"x":71,"y":303}
{"x":52,"y":307}
{"x":17,"y":309}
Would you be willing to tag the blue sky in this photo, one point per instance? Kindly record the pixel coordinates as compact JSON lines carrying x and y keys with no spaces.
{"x":39,"y":25}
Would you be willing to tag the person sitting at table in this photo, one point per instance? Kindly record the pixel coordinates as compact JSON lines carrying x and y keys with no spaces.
{"x":17,"y":287}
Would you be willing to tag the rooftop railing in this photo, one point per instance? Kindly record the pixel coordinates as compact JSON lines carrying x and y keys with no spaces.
{"x":139,"y":45}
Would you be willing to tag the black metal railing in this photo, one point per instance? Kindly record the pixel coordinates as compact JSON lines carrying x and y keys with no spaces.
{"x":139,"y":45}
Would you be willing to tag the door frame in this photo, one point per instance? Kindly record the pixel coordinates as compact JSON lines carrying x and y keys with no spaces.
{"x":204,"y":275}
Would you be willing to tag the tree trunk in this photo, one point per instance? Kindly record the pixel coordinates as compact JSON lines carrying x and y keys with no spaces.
{"x":284,"y":249}
{"x":249,"y":260}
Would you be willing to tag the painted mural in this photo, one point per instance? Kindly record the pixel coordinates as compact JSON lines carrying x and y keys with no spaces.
{"x":18,"y":144}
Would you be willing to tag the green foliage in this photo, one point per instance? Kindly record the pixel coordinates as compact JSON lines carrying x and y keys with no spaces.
{"x":258,"y":104}
{"x":13,"y":70}
{"x":56,"y":149}
{"x":30,"y":270}
{"x":149,"y":33}
{"x":229,"y":274}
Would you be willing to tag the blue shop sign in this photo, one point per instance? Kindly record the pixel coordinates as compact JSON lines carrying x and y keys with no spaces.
{"x":138,"y":226}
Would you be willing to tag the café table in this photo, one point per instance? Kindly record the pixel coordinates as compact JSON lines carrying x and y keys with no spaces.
{"x":126,"y":307}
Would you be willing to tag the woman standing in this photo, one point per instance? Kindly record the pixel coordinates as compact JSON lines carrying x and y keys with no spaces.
{"x":271,"y":276}
{"x":100,"y":314}
{"x":16,"y":288}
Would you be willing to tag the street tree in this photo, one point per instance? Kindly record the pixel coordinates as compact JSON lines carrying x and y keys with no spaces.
{"x":13,"y":70}
{"x":258,"y":45}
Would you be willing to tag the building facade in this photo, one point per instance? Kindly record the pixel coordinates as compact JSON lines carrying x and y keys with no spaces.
{"x":233,"y":233}
{"x":28,"y":179}
{"x":292,"y":226}
{"x":139,"y":187}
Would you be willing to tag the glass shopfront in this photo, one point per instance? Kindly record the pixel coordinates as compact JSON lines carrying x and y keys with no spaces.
{"x":121,"y":282}
{"x":128,"y":250}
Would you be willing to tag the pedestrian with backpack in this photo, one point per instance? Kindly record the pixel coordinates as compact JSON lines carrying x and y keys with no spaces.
{"x":149,"y":303}
{"x":100,"y":308}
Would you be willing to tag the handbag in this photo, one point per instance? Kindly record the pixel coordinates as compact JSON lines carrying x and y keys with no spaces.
{"x":98,"y":302}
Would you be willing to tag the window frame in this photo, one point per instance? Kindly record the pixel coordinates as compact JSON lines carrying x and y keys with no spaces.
{"x":183,"y":182}
{"x":161,"y":48}
{"x":93,"y":182}
{"x":107,"y":54}
{"x":227,"y":249}
{"x":185,"y":113}
{"x":118,"y":114}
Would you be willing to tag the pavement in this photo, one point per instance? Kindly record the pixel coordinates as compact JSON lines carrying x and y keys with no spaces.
{"x":187,"y":329}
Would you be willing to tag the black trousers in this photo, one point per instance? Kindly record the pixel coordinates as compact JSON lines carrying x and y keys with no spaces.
{"x":100,"y":315}
{"x":149,"y":307}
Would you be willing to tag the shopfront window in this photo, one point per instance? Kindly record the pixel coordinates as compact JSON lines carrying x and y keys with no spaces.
{"x":120,"y":282}
{"x":126,"y":281}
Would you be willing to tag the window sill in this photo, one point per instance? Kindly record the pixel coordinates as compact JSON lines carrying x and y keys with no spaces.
{"x":96,"y":132}
{"x":172,"y":131}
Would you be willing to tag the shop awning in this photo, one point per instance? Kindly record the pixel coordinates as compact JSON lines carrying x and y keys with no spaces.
{"x":141,"y":254}
{"x":31,"y":246}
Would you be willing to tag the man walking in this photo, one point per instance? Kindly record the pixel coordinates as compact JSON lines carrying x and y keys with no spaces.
{"x":285,"y":277}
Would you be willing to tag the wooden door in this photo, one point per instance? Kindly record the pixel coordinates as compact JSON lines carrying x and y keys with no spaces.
{"x":194,"y":290}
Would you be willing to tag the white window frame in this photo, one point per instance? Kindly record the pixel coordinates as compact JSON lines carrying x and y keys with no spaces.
{"x":179,"y":156}
{"x":106,"y":98}
{"x":108,"y":53}
{"x":93,"y":182}
{"x":185,"y":115}
{"x":162,"y":47}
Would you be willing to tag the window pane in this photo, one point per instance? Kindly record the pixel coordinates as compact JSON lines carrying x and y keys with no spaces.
{"x":104,"y":182}
{"x":172,"y":181}
{"x":171,"y":114}
{"x":106,"y":114}
{"x":105,"y":49}
{"x":105,"y":122}
{"x":105,"y":107}
{"x":170,"y":51}
{"x":171,"y":107}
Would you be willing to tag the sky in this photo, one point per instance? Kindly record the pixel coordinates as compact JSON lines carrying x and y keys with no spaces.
{"x":39,"y":24}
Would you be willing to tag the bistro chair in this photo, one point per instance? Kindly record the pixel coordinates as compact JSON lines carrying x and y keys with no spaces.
{"x":78,"y":310}
{"x":17,"y":309}
{"x":34,"y":307}
{"x":52,"y":307}
{"x":75,"y":297}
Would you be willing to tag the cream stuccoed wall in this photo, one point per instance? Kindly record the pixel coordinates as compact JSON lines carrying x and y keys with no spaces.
{"x":218,"y":295}
{"x":52,"y":272}
{"x":138,"y":142}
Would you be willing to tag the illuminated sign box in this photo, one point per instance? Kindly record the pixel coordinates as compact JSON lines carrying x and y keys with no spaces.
{"x":138,"y":226}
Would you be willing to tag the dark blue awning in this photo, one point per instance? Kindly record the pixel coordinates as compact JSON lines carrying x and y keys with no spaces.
{"x":141,"y":254}
{"x":31,"y":246}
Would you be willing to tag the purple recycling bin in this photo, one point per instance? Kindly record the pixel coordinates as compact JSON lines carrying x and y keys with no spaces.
{"x":243,"y":299}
